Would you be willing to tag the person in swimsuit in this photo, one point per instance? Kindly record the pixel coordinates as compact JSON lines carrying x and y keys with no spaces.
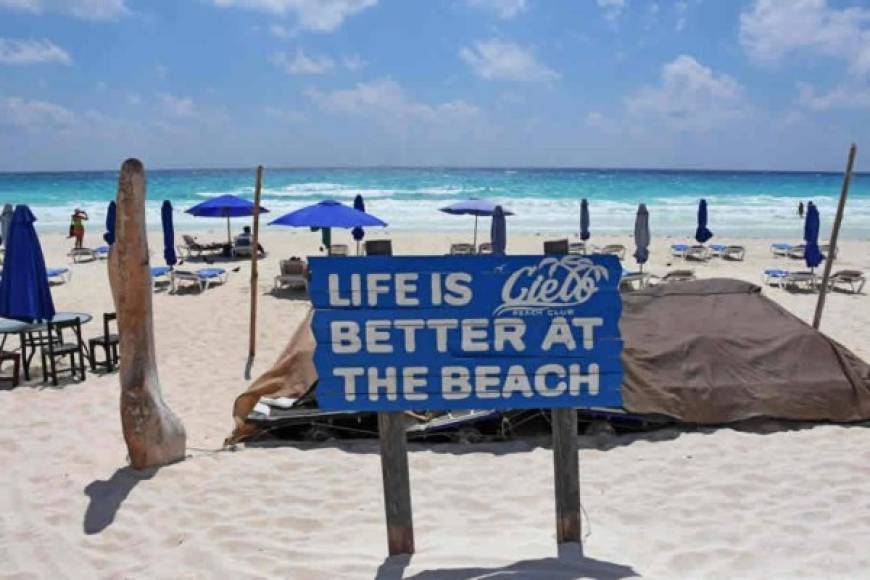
{"x":77,"y":227}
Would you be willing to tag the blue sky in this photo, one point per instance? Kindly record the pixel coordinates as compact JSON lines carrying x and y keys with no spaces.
{"x":754,"y":84}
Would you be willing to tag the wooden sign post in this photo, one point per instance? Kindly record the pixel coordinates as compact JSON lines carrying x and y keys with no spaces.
{"x":397,"y":334}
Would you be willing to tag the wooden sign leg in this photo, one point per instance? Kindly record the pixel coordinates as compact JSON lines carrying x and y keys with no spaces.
{"x":397,"y":485}
{"x":567,"y":475}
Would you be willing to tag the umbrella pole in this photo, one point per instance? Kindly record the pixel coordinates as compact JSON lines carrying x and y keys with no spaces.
{"x":475,"y":234}
{"x":229,"y":235}
{"x":835,"y":233}
{"x":255,"y":250}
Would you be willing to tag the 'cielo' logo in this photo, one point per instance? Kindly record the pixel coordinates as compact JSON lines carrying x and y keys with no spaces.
{"x":553,"y":282}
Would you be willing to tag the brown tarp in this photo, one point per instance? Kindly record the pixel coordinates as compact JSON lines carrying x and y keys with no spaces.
{"x":717,"y":351}
{"x":707,"y":351}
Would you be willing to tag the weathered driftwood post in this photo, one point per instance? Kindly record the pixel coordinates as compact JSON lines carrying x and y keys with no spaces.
{"x":255,"y":256}
{"x":835,"y":236}
{"x":154,"y":434}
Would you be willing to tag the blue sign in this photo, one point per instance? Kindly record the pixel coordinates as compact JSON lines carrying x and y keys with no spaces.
{"x":466,"y":332}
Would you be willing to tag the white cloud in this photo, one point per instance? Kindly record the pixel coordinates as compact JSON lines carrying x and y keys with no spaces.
{"x":288,"y":116}
{"x":845,"y":96}
{"x":505,"y":9}
{"x":612,"y":8}
{"x":25,"y":52}
{"x":302,"y":64}
{"x":85,"y":9}
{"x":497,"y":60}
{"x":689,"y":97}
{"x":175,"y":106}
{"x":319,"y":15}
{"x":387,"y":99}
{"x":773,"y":29}
{"x":33,"y":115}
{"x":680,"y":8}
{"x":353,"y":62}
{"x":281,"y":32}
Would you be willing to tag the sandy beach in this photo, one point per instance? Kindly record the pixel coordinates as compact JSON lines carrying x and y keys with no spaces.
{"x":771,"y":501}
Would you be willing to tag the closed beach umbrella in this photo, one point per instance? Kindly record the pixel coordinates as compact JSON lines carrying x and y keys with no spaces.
{"x":225,"y":206}
{"x":168,"y":234}
{"x":641,"y":236}
{"x":584,"y":220}
{"x":498,"y":232}
{"x":109,"y":236}
{"x":358,"y":233}
{"x":24,"y":291}
{"x":5,"y":221}
{"x":702,"y":234}
{"x":476,"y":207}
{"x":812,"y":254}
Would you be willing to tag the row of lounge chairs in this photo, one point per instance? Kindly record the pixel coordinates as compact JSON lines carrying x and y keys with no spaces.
{"x":201,"y":279}
{"x":795,"y":251}
{"x":852,"y":281}
{"x":703,"y":253}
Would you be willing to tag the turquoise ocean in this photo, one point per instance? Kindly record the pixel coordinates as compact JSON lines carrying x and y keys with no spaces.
{"x":741,"y":204}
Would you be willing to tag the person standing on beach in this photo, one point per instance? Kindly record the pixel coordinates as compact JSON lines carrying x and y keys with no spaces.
{"x":801,"y":209}
{"x":77,"y":226}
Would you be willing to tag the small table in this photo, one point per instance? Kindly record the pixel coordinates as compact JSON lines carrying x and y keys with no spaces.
{"x":25,"y":332}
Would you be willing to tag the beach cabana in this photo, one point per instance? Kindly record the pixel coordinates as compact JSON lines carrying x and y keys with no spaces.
{"x":476,"y":207}
{"x":225,"y":206}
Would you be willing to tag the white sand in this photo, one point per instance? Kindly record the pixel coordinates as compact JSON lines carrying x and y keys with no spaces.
{"x":712,"y":503}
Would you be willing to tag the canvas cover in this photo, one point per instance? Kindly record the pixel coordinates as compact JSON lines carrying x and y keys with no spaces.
{"x":706,"y":351}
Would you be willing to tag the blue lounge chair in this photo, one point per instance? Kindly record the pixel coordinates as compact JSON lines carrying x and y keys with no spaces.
{"x":781,"y":249}
{"x":679,"y":250}
{"x":160,"y":274}
{"x":59,"y":275}
{"x":774,"y":276}
{"x":102,"y":252}
{"x":202,"y":278}
{"x":717,"y":249}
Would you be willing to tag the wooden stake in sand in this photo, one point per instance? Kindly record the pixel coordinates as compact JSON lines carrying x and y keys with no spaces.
{"x":153,"y":433}
{"x":252,"y":338}
{"x":566,"y":475}
{"x":835,"y":234}
{"x":397,"y":485}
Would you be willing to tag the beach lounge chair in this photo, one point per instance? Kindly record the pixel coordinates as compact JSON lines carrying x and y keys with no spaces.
{"x":614,"y":250}
{"x":632,"y":281}
{"x":854,"y":279}
{"x":378,"y":248}
{"x":102,"y":252}
{"x":242,"y":250}
{"x":716,"y":250}
{"x":484,"y":248}
{"x":202,"y":278}
{"x":58,"y":275}
{"x":80,"y":255}
{"x":679,"y":250}
{"x":577,"y":248}
{"x":774,"y":276}
{"x":678,"y":276}
{"x":160,"y":275}
{"x":699,"y":253}
{"x":193,"y":249}
{"x":804,"y":280}
{"x":461,"y":249}
{"x":338,"y":250}
{"x":294,"y":273}
{"x":735,"y":253}
{"x":780,"y":250}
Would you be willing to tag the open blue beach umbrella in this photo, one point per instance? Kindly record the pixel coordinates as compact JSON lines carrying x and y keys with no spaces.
{"x":702,"y":234}
{"x":225,"y":206}
{"x":812,"y":254}
{"x":24,"y":291}
{"x":111,"y":212}
{"x":168,"y":234}
{"x":476,"y":207}
{"x":498,"y":232}
{"x":327,"y":214}
{"x":641,"y":235}
{"x":358,"y":233}
{"x":584,"y":220}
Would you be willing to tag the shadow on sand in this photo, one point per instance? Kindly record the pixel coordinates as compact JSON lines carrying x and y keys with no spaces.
{"x":570,"y":565}
{"x":108,"y":495}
